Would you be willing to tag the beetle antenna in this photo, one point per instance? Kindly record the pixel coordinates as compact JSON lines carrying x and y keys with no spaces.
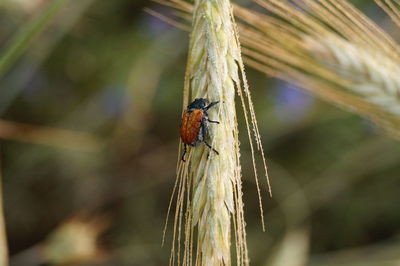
{"x":211,"y":105}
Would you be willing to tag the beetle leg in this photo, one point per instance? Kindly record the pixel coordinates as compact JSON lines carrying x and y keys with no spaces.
{"x":184,"y":152}
{"x":212,"y":121}
{"x":211,"y":148}
{"x":204,"y":130}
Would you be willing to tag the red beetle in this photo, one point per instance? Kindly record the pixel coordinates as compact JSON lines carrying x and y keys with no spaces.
{"x":194,"y":125}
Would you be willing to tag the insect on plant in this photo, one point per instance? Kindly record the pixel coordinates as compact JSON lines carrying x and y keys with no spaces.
{"x":194,"y":124}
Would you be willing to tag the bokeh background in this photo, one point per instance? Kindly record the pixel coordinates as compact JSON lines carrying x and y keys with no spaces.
{"x":90,"y":110}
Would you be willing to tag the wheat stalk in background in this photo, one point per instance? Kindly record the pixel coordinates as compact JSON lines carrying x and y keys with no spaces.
{"x":333,"y":45}
{"x":328,"y":48}
{"x":373,"y":75}
{"x":3,"y":235}
{"x":209,"y":193}
{"x":332,"y":50}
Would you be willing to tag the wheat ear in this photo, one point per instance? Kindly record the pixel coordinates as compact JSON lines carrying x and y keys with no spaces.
{"x":209,"y":192}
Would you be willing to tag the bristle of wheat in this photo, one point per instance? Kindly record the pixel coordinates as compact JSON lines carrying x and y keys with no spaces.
{"x":392,"y":8}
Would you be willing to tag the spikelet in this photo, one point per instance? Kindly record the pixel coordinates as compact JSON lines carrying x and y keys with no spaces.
{"x":209,"y":193}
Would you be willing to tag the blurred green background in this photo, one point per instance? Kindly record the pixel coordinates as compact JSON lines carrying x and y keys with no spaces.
{"x":90,"y":108}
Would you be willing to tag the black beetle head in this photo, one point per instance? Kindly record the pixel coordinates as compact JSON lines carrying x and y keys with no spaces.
{"x":198,"y":103}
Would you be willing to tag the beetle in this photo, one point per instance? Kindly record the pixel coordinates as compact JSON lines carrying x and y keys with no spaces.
{"x":194,"y":124}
